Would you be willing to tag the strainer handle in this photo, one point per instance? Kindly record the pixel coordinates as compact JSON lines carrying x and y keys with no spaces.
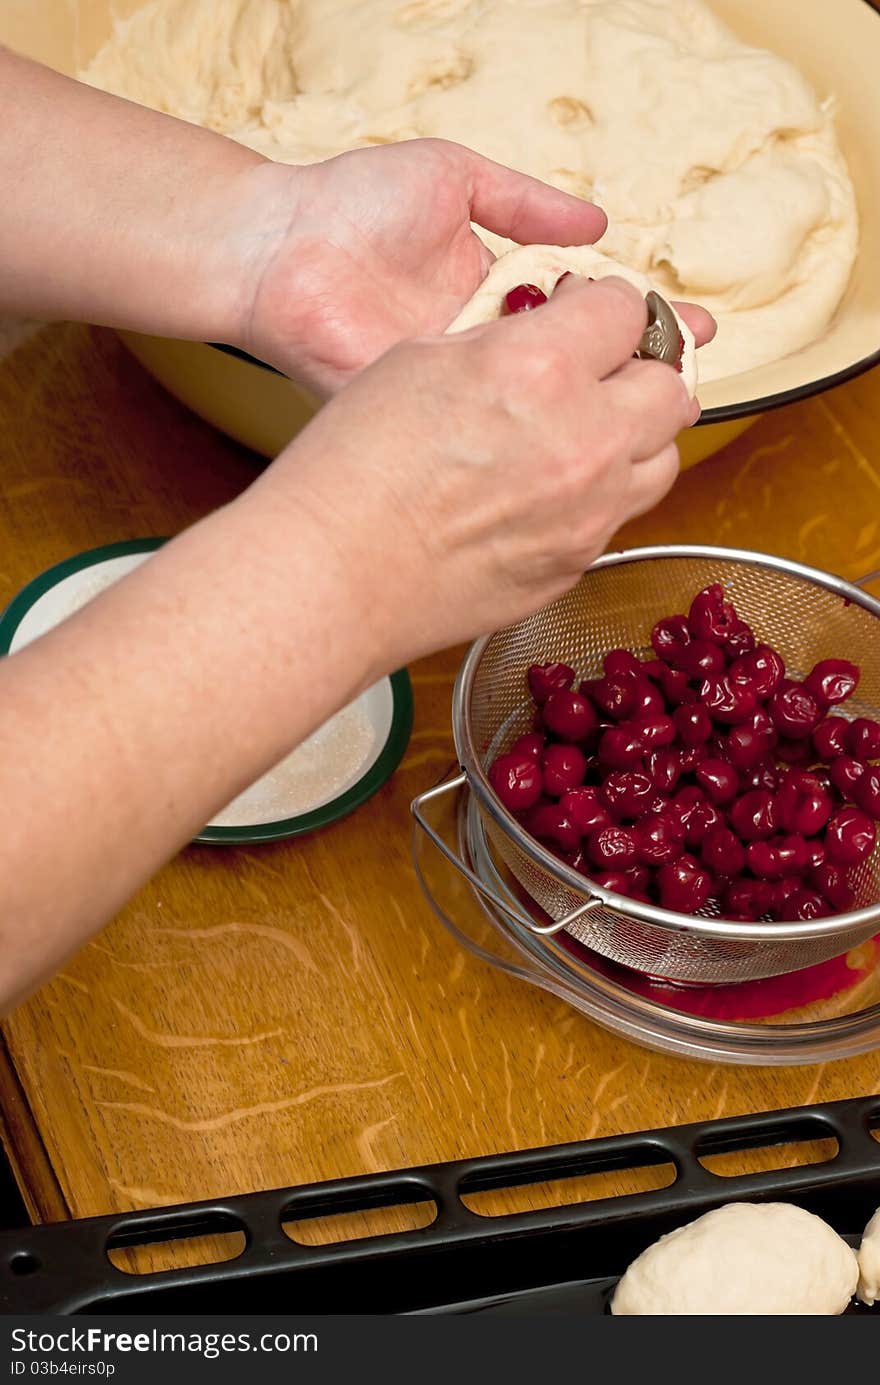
{"x":450,"y":786}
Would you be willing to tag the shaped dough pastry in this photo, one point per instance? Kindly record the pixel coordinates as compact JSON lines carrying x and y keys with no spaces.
{"x":746,"y":1259}
{"x":543,"y":266}
{"x":869,"y":1262}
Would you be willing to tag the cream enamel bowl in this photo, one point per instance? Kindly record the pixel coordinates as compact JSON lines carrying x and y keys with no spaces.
{"x":837,"y":47}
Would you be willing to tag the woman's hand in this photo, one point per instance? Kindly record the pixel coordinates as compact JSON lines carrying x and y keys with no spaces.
{"x":466,"y":481}
{"x":377,"y":245}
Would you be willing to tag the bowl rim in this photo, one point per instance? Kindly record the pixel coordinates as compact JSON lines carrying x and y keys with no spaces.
{"x":719,"y":413}
{"x":577,"y":884}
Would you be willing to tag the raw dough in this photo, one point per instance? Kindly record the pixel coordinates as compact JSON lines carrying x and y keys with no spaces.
{"x":542,"y":265}
{"x":716,"y":163}
{"x":869,"y":1262}
{"x":746,"y":1259}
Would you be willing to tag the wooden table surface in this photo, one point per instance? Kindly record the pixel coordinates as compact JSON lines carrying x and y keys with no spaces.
{"x":288,"y":1013}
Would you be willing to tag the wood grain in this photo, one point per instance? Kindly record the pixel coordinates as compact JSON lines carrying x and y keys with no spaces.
{"x":294,"y":1012}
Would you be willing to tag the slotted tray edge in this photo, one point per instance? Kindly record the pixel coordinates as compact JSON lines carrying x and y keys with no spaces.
{"x":64,"y":1267}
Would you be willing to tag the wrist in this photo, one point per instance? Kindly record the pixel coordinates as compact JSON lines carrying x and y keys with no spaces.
{"x":341,"y":544}
{"x":261,"y":208}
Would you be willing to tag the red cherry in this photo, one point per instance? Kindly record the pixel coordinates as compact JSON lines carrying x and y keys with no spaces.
{"x":793,"y":852}
{"x":832,"y":884}
{"x":701,"y":659}
{"x":660,"y":838}
{"x":621,"y":746}
{"x":763,"y":860}
{"x":794,"y":711}
{"x":639,"y":877}
{"x":804,"y":904}
{"x":726,"y":702}
{"x":531,"y":744}
{"x":551,"y":825}
{"x":693,"y":724}
{"x":656,"y":731}
{"x":664,"y":768}
{"x":849,"y":837}
{"x":544,"y":679}
{"x":711,"y":617}
{"x":523,"y":299}
{"x":669,"y":638}
{"x":815,"y":854}
{"x":516,"y":780}
{"x":695,"y":813}
{"x":832,"y":681}
{"x":692,"y":756}
{"x":673,"y":682}
{"x":649,"y":701}
{"x":803,"y":805}
{"x":845,"y":773}
{"x":613,"y":847}
{"x":761,"y":671}
{"x":748,"y":899}
{"x":740,"y":641}
{"x":585,"y":809}
{"x":617,"y":881}
{"x":867,"y":790}
{"x":723,"y":852}
{"x":782,"y":890}
{"x":718,"y":779}
{"x":863,"y":739}
{"x":765,"y":775}
{"x":569,"y":715}
{"x":615,"y":695}
{"x":753,"y":815}
{"x":564,"y":767}
{"x":627,"y":792}
{"x":621,"y":663}
{"x":684,"y":885}
{"x":795,"y":752}
{"x":576,"y":859}
{"x":751,"y":742}
{"x":829,"y":737}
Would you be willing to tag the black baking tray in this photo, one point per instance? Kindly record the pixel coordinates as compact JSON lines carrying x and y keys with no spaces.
{"x":559,"y":1260}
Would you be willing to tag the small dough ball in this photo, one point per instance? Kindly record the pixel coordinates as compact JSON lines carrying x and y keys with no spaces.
{"x":869,"y":1262}
{"x":543,"y":266}
{"x":745,"y":1259}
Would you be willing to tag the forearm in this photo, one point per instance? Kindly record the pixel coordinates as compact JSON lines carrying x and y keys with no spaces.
{"x":124,"y":730}
{"x":115,"y":214}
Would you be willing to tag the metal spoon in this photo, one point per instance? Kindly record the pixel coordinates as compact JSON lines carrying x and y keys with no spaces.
{"x":662,"y":339}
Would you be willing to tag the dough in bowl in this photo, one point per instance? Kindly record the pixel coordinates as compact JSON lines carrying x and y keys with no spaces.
{"x":766,"y":1259}
{"x":543,"y":266}
{"x":869,"y":1262}
{"x":716,"y":163}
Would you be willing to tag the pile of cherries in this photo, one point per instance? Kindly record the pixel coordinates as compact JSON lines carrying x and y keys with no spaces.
{"x":704,"y":773}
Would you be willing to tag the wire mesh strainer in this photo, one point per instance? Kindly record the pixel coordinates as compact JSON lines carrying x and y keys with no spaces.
{"x":807,"y":614}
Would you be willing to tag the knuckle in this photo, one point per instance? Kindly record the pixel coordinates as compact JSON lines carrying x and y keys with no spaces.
{"x":538,"y":364}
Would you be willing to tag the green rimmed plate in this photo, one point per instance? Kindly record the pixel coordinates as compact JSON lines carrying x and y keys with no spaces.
{"x":337,"y":769}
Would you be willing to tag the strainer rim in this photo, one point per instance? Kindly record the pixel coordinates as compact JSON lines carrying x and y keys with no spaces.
{"x":695,"y":925}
